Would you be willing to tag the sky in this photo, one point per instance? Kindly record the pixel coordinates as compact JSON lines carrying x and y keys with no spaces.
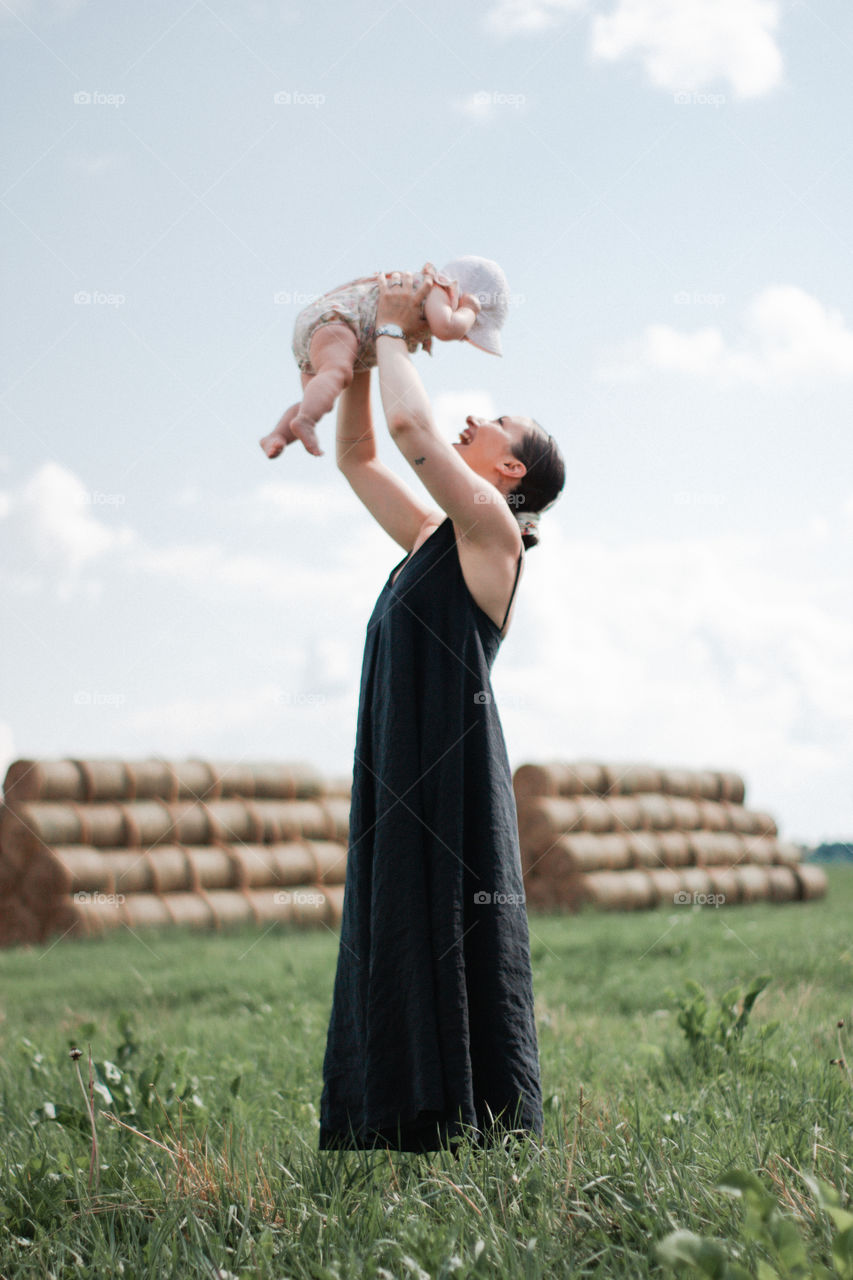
{"x":667,"y":186}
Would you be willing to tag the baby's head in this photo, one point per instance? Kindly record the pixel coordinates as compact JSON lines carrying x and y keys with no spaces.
{"x":485,"y":280}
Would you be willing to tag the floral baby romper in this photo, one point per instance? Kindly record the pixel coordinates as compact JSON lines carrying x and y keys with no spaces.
{"x":354,"y":304}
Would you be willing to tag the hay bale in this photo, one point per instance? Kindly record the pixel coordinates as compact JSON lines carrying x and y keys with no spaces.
{"x":787,"y":853}
{"x":782,"y":883}
{"x":715,"y":848}
{"x":673,"y":848}
{"x":811,"y":880}
{"x":112,"y":779}
{"x":645,"y":848}
{"x":619,"y":890}
{"x":583,"y":851}
{"x":556,"y":778}
{"x":753,"y":882}
{"x":725,"y":884}
{"x":19,"y":926}
{"x":666,"y":884}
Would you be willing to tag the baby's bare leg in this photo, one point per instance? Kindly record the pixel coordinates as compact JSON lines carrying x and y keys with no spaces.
{"x":281,"y":434}
{"x":332,"y":352}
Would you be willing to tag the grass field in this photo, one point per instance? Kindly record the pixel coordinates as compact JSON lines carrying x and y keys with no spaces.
{"x":218,"y":1172}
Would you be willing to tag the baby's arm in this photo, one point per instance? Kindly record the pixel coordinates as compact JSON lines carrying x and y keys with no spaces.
{"x":445,"y":323}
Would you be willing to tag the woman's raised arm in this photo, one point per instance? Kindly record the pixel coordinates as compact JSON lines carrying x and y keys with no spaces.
{"x":388,"y":498}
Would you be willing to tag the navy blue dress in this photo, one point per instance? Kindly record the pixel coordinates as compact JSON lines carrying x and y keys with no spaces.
{"x":432,"y":1026}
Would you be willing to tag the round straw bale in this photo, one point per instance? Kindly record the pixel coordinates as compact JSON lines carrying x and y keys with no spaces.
{"x":645,"y":848}
{"x":715,"y":848}
{"x":230,"y":907}
{"x":57,"y":872}
{"x":695,"y":881}
{"x":630,"y":779}
{"x":725,"y":884}
{"x":596,"y":814}
{"x":655,"y":811}
{"x":787,"y":853}
{"x":753,"y":881}
{"x":665,"y":883}
{"x":310,"y":906}
{"x":211,"y":867}
{"x":18,"y":925}
{"x":686,"y":814}
{"x":713,"y":816}
{"x":732,"y":787}
{"x":760,"y":850}
{"x":676,"y":782}
{"x":811,"y":879}
{"x":674,"y":848}
{"x":331,"y":861}
{"x":189,"y":910}
{"x":620,"y":890}
{"x":782,"y":882}
{"x":145,"y":910}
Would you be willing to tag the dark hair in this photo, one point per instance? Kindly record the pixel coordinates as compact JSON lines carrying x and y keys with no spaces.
{"x":542,"y":482}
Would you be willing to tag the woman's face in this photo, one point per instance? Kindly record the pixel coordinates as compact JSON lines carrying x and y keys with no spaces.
{"x":486,"y":445}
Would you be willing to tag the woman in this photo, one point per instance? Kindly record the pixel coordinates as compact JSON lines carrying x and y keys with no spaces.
{"x":432,"y":1031}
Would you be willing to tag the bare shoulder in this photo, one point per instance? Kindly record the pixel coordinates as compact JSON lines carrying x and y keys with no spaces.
{"x":490,"y":575}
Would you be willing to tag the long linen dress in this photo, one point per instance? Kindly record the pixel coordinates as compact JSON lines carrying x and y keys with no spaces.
{"x":432,"y":1026}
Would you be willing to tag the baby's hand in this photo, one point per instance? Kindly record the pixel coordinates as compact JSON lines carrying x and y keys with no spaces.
{"x":469,"y":300}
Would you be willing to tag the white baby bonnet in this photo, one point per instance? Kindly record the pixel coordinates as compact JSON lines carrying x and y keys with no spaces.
{"x":487,"y":282}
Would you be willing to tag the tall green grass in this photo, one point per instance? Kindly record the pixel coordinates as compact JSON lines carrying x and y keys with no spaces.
{"x":207,"y":1054}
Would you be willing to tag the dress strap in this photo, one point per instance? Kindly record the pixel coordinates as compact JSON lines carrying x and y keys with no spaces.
{"x":512,"y":593}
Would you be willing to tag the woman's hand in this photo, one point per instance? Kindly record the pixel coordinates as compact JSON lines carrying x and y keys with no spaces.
{"x":400,"y":303}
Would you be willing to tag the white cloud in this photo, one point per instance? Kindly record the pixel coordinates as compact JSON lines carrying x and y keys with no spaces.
{"x":509,"y":17}
{"x":786,"y":335}
{"x":728,"y":652}
{"x":52,"y":519}
{"x":681,"y":44}
{"x":685,"y":44}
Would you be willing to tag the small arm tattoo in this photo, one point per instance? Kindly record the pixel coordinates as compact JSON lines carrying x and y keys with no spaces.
{"x":418,"y":461}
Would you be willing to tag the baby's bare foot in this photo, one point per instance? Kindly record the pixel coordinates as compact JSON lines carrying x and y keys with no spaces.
{"x":303,"y":428}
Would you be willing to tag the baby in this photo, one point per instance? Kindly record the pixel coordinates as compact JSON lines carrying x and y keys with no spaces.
{"x":334,"y":336}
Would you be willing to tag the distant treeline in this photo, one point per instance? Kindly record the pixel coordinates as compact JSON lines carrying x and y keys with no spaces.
{"x":837,"y":852}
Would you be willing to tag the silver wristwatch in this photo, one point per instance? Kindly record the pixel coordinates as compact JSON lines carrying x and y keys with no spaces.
{"x":390,"y":331}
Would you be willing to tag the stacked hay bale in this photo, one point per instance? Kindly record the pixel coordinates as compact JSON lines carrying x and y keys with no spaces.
{"x":628,"y":836}
{"x":87,"y":846}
